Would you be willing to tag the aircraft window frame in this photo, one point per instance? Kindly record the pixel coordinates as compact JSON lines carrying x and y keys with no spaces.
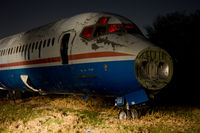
{"x":97,"y":27}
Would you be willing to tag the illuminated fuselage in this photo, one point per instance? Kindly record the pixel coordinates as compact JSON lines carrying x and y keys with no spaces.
{"x":91,"y":53}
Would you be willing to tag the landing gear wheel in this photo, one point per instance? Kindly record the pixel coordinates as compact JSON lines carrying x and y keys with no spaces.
{"x":134,"y":114}
{"x":128,"y":114}
{"x":122,"y":115}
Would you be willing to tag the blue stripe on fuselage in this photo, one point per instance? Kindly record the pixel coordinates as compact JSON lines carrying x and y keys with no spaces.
{"x":111,"y":78}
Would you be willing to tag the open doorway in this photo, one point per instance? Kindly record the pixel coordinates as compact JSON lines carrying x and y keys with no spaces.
{"x":64,"y":48}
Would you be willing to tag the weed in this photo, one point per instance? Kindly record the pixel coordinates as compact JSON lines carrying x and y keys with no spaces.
{"x":51,"y":121}
{"x":90,"y":117}
{"x":3,"y":130}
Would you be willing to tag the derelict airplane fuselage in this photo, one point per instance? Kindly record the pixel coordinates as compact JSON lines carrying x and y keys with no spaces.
{"x":91,"y":53}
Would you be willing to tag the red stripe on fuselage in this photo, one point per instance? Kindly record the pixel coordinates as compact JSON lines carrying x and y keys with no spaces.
{"x":96,"y":55}
{"x":39,"y":61}
{"x":71,"y":57}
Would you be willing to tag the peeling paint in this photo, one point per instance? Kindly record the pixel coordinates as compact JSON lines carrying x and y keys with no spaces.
{"x":84,"y":41}
{"x":95,"y":46}
{"x":108,"y":42}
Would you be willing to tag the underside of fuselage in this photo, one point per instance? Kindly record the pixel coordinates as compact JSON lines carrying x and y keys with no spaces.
{"x":115,"y":78}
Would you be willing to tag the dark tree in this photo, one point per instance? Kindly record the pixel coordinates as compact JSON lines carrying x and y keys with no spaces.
{"x":179,"y":34}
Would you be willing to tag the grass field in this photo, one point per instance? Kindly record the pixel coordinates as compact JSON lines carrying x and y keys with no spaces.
{"x":61,"y":114}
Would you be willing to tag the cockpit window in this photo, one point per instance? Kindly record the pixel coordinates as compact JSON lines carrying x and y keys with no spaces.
{"x":102,"y":27}
{"x":115,"y":28}
{"x":103,"y":20}
{"x":131,"y":29}
{"x":87,"y":32}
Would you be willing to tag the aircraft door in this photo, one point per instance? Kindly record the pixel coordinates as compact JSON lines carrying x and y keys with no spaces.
{"x":64,"y":48}
{"x":66,"y":41}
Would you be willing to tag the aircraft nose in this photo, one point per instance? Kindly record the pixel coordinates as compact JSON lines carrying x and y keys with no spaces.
{"x":153,"y":68}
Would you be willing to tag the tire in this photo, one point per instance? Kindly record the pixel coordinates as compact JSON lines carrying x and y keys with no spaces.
{"x":122,"y":115}
{"x":134,"y":114}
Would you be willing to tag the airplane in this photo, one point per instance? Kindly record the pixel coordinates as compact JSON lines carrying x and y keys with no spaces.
{"x":95,"y":53}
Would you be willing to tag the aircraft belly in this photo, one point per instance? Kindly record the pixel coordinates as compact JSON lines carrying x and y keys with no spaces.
{"x":110,"y":78}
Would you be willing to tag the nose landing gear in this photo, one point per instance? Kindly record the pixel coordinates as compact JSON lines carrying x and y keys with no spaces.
{"x":128,"y":113}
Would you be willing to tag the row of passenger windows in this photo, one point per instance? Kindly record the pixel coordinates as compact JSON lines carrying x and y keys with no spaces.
{"x":31,"y":46}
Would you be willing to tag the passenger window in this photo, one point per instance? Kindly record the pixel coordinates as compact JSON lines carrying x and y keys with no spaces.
{"x":19,"y":49}
{"x":8,"y":51}
{"x":22,"y":49}
{"x":36,"y":45}
{"x":48,"y":42}
{"x":100,"y":30}
{"x":53,"y":40}
{"x":11,"y":50}
{"x":40,"y":44}
{"x":29,"y":47}
{"x":44,"y":44}
{"x":26,"y":47}
{"x":14,"y":50}
{"x":33,"y":47}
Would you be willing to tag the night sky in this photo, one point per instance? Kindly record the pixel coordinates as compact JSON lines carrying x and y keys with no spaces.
{"x":21,"y":15}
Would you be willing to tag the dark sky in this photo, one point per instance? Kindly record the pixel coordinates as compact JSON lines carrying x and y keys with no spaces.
{"x":21,"y":15}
